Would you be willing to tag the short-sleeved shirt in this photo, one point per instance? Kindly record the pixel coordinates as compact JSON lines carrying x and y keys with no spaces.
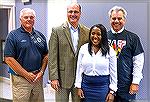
{"x":28,"y":49}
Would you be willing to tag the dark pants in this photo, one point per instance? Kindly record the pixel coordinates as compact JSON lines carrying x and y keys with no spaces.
{"x":128,"y":98}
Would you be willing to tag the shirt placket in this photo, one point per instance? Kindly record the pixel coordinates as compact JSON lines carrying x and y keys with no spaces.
{"x":94,"y":64}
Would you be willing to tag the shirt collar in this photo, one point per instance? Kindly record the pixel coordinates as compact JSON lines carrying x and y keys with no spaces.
{"x":23,"y":30}
{"x":72,"y":28}
{"x":114,"y":32}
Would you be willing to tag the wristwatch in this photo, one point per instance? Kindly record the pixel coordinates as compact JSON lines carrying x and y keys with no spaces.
{"x":112,"y":92}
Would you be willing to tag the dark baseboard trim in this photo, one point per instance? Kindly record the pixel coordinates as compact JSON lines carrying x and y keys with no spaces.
{"x":5,"y":100}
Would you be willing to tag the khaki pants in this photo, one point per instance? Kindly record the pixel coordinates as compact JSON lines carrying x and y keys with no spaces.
{"x":23,"y":91}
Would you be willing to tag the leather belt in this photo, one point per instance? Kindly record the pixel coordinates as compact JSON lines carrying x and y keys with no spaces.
{"x":35,"y":72}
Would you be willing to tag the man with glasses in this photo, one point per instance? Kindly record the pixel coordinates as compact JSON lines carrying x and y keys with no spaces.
{"x":130,"y":55}
{"x":26,"y":54}
{"x":64,"y":45}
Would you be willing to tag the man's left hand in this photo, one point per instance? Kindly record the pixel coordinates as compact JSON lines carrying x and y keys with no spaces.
{"x":133,"y":88}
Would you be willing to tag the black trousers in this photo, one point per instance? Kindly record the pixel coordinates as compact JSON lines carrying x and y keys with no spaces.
{"x":121,"y":99}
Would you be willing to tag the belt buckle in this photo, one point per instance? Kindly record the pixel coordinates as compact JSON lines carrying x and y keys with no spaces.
{"x":35,"y":72}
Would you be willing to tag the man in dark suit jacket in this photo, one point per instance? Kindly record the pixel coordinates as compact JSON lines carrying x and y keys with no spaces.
{"x":64,"y":44}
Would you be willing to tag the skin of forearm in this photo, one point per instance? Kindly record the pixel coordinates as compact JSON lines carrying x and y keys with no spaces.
{"x":44,"y":63}
{"x":14,"y":65}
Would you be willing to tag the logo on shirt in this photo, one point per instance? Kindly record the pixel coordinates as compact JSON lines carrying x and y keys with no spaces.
{"x":117,"y":45}
{"x":39,"y":39}
{"x":23,"y":40}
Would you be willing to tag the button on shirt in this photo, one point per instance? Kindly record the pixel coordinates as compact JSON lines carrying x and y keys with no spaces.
{"x":96,"y":65}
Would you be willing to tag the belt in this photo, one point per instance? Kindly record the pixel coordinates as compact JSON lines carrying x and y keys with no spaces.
{"x":35,"y":72}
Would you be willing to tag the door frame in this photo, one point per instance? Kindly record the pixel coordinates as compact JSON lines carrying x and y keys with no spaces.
{"x":11,"y":16}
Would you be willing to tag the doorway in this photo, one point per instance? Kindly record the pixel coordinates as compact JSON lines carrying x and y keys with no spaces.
{"x":7,"y":24}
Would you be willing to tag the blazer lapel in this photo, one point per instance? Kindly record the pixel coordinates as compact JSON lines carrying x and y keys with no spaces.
{"x":68,"y":35}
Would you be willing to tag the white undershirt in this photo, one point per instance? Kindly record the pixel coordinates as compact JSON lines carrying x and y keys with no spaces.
{"x":138,"y":63}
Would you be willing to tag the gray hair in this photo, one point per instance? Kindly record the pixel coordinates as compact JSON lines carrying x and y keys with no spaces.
{"x":117,"y":8}
{"x":27,"y":9}
{"x":75,"y":3}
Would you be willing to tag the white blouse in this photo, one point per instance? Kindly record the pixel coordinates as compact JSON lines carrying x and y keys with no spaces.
{"x":96,"y":65}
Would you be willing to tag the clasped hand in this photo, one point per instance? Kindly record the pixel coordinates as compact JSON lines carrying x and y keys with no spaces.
{"x":33,"y":78}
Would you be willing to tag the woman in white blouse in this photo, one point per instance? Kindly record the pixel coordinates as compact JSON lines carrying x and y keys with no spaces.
{"x":96,"y":76}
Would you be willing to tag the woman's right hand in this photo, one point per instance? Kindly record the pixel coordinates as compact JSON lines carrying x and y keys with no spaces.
{"x":110,"y":97}
{"x":80,"y":93}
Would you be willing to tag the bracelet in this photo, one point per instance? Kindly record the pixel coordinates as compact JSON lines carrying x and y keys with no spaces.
{"x":112,"y":92}
{"x":42,"y":72}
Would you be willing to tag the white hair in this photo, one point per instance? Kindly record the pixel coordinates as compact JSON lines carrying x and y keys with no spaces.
{"x":117,"y":8}
{"x":27,"y":9}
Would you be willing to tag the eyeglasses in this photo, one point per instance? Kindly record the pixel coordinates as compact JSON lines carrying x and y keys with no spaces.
{"x":27,"y":17}
{"x":75,"y":12}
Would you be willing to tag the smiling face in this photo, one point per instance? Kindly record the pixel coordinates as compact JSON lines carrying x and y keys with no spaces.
{"x":73,"y":14}
{"x":117,"y":20}
{"x":27,"y":20}
{"x":95,"y":36}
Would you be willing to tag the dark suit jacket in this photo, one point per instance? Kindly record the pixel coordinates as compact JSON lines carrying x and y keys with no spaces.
{"x":62,"y":58}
